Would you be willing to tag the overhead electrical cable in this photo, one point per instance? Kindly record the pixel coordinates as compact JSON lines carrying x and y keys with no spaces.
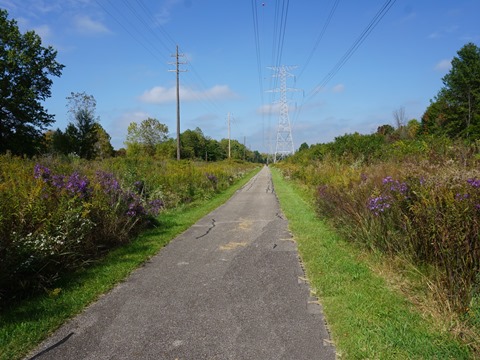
{"x":134,"y":37}
{"x":320,"y":36}
{"x":256,"y":34}
{"x":359,"y":41}
{"x":148,"y":24}
{"x":348,"y":54}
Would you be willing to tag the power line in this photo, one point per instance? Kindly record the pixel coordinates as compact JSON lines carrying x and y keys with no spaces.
{"x":146,"y":24}
{"x":359,"y":41}
{"x":320,"y":37}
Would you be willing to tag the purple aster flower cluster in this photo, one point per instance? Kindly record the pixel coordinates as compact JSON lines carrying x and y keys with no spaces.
{"x":108,"y":182}
{"x":134,"y":202}
{"x":379,"y":204}
{"x":140,"y":207}
{"x":213,"y":179}
{"x":139,"y":186}
{"x":392,"y":190}
{"x":474,"y":183}
{"x":461,"y":197}
{"x":395,"y":185}
{"x":135,"y":208}
{"x":75,"y":184}
{"x":155,"y":206}
{"x":41,"y":172}
{"x":78,"y":185}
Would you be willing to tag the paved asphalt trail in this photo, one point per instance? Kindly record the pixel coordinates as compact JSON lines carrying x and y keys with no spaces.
{"x":230,"y":287}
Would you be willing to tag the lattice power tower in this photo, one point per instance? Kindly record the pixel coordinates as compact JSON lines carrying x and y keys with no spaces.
{"x":284,"y":145}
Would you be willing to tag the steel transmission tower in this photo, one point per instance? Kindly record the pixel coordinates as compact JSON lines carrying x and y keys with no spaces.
{"x":284,"y":145}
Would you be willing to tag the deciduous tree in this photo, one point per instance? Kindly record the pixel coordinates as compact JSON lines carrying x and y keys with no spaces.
{"x":84,"y":125}
{"x":144,"y":137}
{"x":25,"y":70}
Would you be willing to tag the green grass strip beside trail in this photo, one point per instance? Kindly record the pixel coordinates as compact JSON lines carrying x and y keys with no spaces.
{"x":24,"y":326}
{"x":367,"y":319}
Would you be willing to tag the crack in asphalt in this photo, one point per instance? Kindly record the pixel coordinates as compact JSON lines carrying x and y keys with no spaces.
{"x":208,"y":230}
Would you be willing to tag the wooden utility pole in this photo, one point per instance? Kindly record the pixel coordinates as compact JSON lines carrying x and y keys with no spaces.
{"x":177,"y":70}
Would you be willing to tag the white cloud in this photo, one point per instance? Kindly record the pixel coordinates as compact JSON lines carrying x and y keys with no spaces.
{"x":44,"y":31}
{"x":162,"y":95}
{"x":338,"y":88}
{"x":443,"y":65}
{"x":164,"y":15}
{"x":269,"y":109}
{"x":84,"y":24}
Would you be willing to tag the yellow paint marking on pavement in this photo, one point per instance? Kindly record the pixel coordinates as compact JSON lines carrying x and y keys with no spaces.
{"x":232,"y":245}
{"x":245,"y":224}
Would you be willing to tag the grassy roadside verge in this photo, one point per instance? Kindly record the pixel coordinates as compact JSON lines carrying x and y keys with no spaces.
{"x":25,"y":325}
{"x":367,"y":319}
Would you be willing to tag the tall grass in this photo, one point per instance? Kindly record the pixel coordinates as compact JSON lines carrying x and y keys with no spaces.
{"x":421,"y":205}
{"x":59,"y":214}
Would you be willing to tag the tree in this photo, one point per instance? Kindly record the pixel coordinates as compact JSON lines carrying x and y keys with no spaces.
{"x":400,"y":121}
{"x":385,"y":130}
{"x":456,"y":109}
{"x":462,"y":86}
{"x":145,"y":137}
{"x":25,"y":67}
{"x":103,"y":147}
{"x":83,"y":130}
{"x":193,"y":144}
{"x":304,"y":146}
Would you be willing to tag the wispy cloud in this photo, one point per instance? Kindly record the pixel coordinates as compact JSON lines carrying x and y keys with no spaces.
{"x":85,"y":25}
{"x":44,"y":31}
{"x":338,"y":88}
{"x":445,"y":31}
{"x":164,"y":14}
{"x":162,"y":95}
{"x":443,"y":65}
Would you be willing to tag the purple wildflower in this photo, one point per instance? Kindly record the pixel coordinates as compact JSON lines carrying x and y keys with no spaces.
{"x":379,"y":204}
{"x":155,"y":206}
{"x":213,"y":179}
{"x":58,"y":181}
{"x":461,"y":197}
{"x":135,"y":208}
{"x":41,"y":172}
{"x":395,"y":185}
{"x":139,"y":186}
{"x":474,"y":182}
{"x":78,"y":185}
{"x":108,"y":182}
{"x":387,"y":180}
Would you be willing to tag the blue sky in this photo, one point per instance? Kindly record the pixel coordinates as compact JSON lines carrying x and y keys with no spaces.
{"x":119,"y":51}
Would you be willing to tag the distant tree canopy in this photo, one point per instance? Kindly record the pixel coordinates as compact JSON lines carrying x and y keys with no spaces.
{"x":150,"y":138}
{"x":25,"y":70}
{"x":455,"y":111}
{"x":84,"y":136}
{"x":144,"y":138}
{"x":304,"y":146}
